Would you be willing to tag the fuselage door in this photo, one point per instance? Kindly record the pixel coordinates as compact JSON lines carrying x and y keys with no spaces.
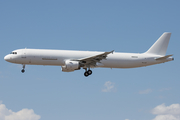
{"x":23,"y":53}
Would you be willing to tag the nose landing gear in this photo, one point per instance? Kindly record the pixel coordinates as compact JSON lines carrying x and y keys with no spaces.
{"x":23,"y":70}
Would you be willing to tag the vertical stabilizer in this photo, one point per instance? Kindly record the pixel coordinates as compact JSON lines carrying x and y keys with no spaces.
{"x":160,"y":46}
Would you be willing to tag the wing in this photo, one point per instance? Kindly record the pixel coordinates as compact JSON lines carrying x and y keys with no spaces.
{"x":92,"y":60}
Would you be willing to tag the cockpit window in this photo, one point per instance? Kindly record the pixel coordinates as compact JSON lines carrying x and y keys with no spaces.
{"x":13,"y":53}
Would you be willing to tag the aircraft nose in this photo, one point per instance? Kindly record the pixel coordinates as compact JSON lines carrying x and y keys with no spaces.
{"x":7,"y":58}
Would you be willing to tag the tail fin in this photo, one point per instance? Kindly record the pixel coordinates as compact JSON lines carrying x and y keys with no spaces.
{"x":160,"y":46}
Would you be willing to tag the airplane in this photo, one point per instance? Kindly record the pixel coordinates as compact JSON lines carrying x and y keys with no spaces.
{"x":70,"y":60}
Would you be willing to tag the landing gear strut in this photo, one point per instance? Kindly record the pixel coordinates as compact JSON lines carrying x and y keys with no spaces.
{"x":87,"y":72}
{"x":23,"y":70}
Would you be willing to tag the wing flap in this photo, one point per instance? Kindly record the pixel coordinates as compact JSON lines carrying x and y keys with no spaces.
{"x":96,"y":57}
{"x":92,"y":60}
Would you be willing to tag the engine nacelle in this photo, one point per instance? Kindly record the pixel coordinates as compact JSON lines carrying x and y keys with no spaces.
{"x":70,"y":66}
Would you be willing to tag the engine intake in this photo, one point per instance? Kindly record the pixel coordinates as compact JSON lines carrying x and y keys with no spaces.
{"x":70,"y":66}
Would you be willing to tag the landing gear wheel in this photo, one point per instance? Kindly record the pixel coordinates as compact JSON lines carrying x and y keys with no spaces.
{"x":86,"y":74}
{"x":89,"y":72}
{"x":22,"y":70}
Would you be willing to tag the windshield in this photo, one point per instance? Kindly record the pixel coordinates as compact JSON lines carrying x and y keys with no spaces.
{"x":13,"y":53}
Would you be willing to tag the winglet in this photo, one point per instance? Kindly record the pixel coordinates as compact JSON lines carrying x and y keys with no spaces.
{"x":112,"y":51}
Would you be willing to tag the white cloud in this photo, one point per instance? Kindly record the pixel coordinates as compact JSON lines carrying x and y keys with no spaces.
{"x":166,"y":117}
{"x":145,"y":91}
{"x":109,"y":87}
{"x":164,"y":89}
{"x":24,"y":114}
{"x":126,"y":119}
{"x":163,"y":112}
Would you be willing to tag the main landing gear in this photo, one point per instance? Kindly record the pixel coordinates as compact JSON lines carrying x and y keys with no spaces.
{"x":87,"y":72}
{"x":23,"y":70}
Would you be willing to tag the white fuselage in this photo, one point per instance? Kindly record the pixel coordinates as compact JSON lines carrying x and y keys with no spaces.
{"x":58,"y":58}
{"x":70,"y":60}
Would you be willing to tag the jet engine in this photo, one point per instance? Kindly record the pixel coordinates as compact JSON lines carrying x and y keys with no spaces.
{"x":70,"y":66}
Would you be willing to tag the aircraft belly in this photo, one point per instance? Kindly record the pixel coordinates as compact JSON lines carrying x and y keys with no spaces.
{"x":122,"y":64}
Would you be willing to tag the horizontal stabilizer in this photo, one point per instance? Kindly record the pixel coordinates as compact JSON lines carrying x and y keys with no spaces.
{"x":162,"y":58}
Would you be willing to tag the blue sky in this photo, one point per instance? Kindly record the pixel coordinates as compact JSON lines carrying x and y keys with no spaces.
{"x":45,"y":92}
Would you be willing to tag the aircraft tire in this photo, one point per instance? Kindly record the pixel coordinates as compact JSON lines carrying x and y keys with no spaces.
{"x":86,"y":74}
{"x":22,"y":70}
{"x":89,"y":72}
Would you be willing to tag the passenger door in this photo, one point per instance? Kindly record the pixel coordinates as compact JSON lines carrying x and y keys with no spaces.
{"x":23,"y":53}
